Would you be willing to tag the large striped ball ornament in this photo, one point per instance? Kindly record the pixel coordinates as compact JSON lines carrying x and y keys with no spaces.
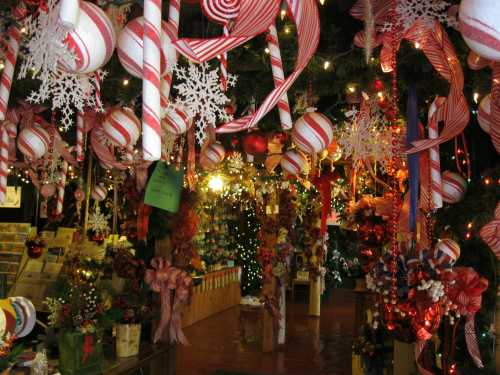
{"x":293,"y":162}
{"x":312,"y":133}
{"x":99,"y":192}
{"x":176,"y":121}
{"x":122,"y":127}
{"x":212,"y":156}
{"x":33,"y":142}
{"x":454,"y":187}
{"x":92,"y":40}
{"x":130,"y":47}
{"x":484,"y":113}
{"x":480,"y":27}
{"x":221,"y":11}
{"x":447,"y":250}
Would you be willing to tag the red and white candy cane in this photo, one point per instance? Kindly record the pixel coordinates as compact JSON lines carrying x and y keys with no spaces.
{"x":434,"y":160}
{"x":151,"y":104}
{"x":279,"y":77}
{"x":8,"y":71}
{"x":69,"y":12}
{"x":80,"y":131}
{"x":4,"y":162}
{"x":174,"y":11}
{"x":61,"y":185}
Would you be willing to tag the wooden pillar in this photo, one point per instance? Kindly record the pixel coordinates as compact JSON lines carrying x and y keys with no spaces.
{"x":315,"y":296}
{"x":282,"y":322}
{"x":404,"y":358}
{"x":497,"y":317}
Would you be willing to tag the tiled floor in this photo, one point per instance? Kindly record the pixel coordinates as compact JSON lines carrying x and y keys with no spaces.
{"x":314,"y":346}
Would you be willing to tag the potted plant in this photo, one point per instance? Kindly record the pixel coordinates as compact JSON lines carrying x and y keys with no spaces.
{"x":131,"y":304}
{"x":79,"y":309}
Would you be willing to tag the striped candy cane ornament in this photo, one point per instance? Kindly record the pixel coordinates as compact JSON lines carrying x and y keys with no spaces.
{"x":223,"y":64}
{"x":151,"y":103}
{"x":434,"y":160}
{"x":279,"y":77}
{"x":8,"y":71}
{"x":80,"y":130}
{"x":4,"y":162}
{"x":61,"y":184}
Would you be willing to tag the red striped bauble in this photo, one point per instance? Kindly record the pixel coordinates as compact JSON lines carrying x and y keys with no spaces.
{"x":212,"y":156}
{"x":11,"y":128}
{"x":293,"y":162}
{"x":446,"y":250}
{"x":92,"y":40}
{"x":176,"y":121}
{"x":480,"y":27}
{"x":312,"y":133}
{"x":454,"y":187}
{"x":221,"y":11}
{"x":99,"y":192}
{"x":484,"y":113}
{"x":33,"y":142}
{"x":130,"y":50}
{"x":122,"y":127}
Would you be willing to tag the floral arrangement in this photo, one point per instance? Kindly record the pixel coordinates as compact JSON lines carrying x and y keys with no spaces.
{"x":79,"y":302}
{"x":371,"y":227}
{"x":9,"y":353}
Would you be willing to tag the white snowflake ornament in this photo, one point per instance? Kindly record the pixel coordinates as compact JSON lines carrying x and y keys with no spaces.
{"x":98,"y":222}
{"x":200,"y":93}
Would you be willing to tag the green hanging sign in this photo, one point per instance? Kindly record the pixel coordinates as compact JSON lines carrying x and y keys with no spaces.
{"x":164,"y":187}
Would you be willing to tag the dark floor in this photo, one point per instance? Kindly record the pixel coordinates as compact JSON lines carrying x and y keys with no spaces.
{"x":314,"y":346}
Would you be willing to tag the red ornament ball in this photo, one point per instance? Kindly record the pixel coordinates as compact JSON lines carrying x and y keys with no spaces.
{"x":255,"y":143}
{"x":35,"y":251}
{"x":378,"y":85}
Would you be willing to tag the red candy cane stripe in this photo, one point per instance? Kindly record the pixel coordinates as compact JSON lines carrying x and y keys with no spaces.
{"x":80,"y":130}
{"x":256,"y":16}
{"x":495,"y":106}
{"x":223,"y":64}
{"x":61,"y":184}
{"x":434,"y":160}
{"x":151,"y":103}
{"x":4,"y":162}
{"x":8,"y":71}
{"x":279,"y":77}
{"x":221,"y":10}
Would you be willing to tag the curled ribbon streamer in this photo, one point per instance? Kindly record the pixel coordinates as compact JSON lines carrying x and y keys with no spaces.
{"x":490,"y":233}
{"x":419,"y":348}
{"x":165,"y":279}
{"x":102,"y":151}
{"x":256,"y":16}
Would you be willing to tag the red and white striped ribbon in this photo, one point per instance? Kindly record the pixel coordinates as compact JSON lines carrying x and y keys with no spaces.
{"x":495,"y":106}
{"x":256,"y":16}
{"x":61,"y":186}
{"x":419,"y":348}
{"x":471,"y":339}
{"x":223,"y":63}
{"x":279,"y":77}
{"x":4,"y":162}
{"x":174,"y":10}
{"x":8,"y":70}
{"x":80,"y":131}
{"x":434,"y":159}
{"x":151,"y":103}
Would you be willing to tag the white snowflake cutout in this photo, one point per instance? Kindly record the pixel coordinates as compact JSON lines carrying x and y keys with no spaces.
{"x":98,"y":222}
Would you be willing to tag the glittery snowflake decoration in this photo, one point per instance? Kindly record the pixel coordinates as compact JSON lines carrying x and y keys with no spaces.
{"x":98,"y":222}
{"x":201,"y":95}
{"x":46,"y":54}
{"x":366,"y":137}
{"x":235,"y":163}
{"x":409,"y":11}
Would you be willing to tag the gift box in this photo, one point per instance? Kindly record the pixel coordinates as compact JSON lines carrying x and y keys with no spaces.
{"x":80,"y":354}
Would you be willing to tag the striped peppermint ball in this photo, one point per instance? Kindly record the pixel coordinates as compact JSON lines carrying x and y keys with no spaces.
{"x":33,"y":142}
{"x":99,"y":192}
{"x":212,"y":156}
{"x":221,"y":11}
{"x":92,"y":40}
{"x":130,"y":47}
{"x":454,"y":187}
{"x":446,"y":250}
{"x":293,"y":162}
{"x":312,"y":133}
{"x":480,"y":27}
{"x":484,"y":114}
{"x":122,"y":127}
{"x":176,"y":121}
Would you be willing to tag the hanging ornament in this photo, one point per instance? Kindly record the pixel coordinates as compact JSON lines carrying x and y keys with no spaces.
{"x":446,"y":252}
{"x":212,"y":156}
{"x":130,"y":47}
{"x":490,"y":233}
{"x":480,"y":27}
{"x":33,"y":142}
{"x":254,"y":143}
{"x":484,"y":113}
{"x":176,"y":120}
{"x":99,"y":192}
{"x":122,"y":127}
{"x":293,"y":162}
{"x":312,"y":133}
{"x":454,"y":187}
{"x":79,"y":195}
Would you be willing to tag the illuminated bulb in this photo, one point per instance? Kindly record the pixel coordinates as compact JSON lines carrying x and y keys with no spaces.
{"x":2,"y":65}
{"x":326,"y":65}
{"x":215,"y":183}
{"x":417,"y":45}
{"x":322,"y":2}
{"x":380,"y":94}
{"x":23,"y":30}
{"x":487,"y":181}
{"x":469,"y":226}
{"x":125,"y":82}
{"x":283,"y":13}
{"x":467,"y":235}
{"x":476,"y":97}
{"x":287,"y":30}
{"x":351,"y":89}
{"x":266,"y":50}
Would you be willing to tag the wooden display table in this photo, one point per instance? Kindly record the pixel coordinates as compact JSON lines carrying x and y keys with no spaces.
{"x":158,"y":359}
{"x":218,"y":291}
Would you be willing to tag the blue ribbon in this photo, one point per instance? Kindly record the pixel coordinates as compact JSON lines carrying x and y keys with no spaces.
{"x":412,"y":134}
